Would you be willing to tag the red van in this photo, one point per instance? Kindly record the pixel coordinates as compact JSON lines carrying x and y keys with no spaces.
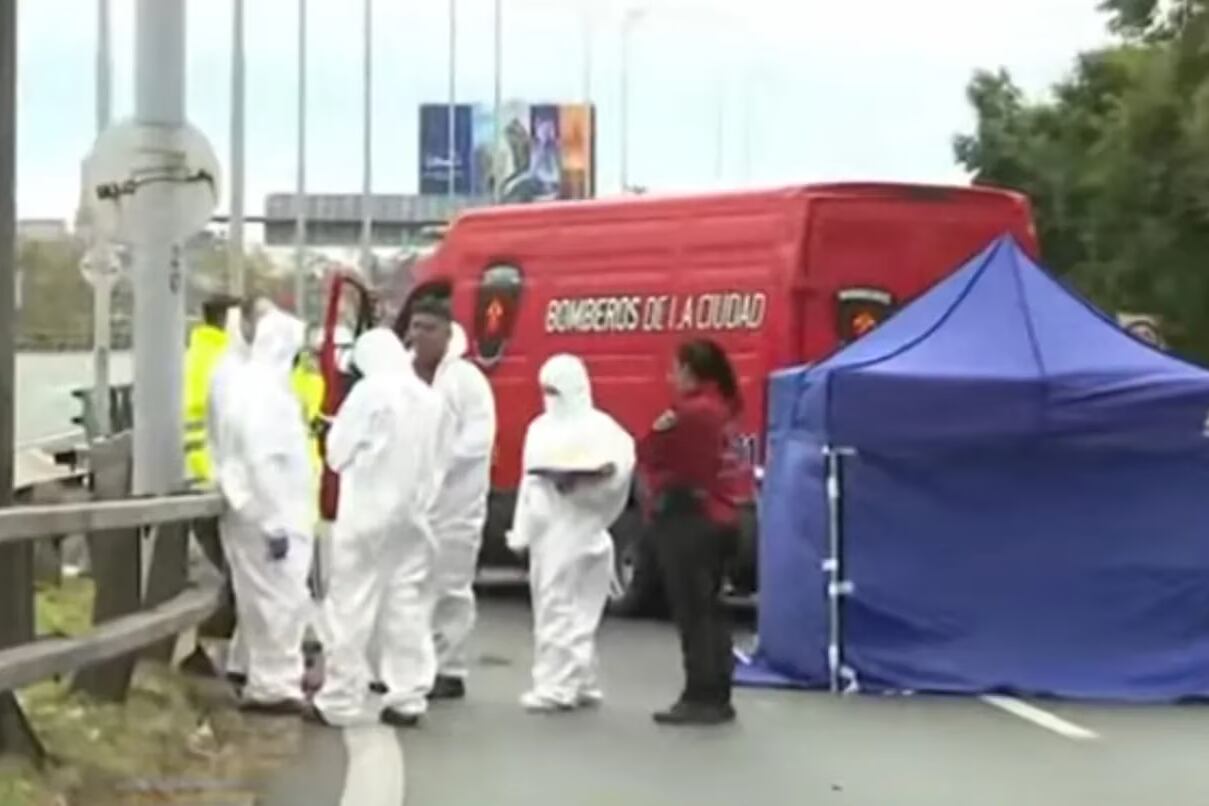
{"x":778,"y":277}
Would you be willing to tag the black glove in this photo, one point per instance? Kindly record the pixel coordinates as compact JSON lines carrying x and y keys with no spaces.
{"x":279,"y":547}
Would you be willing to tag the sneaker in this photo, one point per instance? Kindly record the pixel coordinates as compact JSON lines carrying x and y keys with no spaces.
{"x":397,"y":719}
{"x":448,"y":688}
{"x":536,"y":703}
{"x":683,"y":713}
{"x":590,"y":698}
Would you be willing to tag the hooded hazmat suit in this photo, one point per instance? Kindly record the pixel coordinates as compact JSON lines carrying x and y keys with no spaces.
{"x":565,"y":530}
{"x":266,"y":478}
{"x":384,"y":443}
{"x":460,"y":510}
{"x":219,"y":422}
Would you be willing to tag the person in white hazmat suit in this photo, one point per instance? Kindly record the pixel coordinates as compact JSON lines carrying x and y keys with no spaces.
{"x":578,"y":463}
{"x":384,"y":444}
{"x":266,"y":477}
{"x":219,"y":410}
{"x":459,"y":513}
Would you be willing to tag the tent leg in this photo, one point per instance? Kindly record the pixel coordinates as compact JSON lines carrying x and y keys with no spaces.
{"x":834,"y":569}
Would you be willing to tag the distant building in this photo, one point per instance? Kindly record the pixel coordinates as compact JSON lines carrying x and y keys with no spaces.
{"x":42,"y":229}
{"x":335,"y":219}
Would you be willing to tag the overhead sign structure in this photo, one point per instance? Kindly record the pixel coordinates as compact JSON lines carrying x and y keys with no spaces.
{"x":131,"y":156}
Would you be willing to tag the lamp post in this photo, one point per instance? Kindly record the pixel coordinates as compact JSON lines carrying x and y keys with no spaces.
{"x":453,"y":97}
{"x":300,"y":183}
{"x":235,"y":235}
{"x":631,"y":19}
{"x":159,"y":303}
{"x":498,"y":98}
{"x":367,"y":145}
{"x":101,"y":278}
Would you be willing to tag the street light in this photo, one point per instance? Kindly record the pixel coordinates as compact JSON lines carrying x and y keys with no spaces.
{"x":367,"y":187}
{"x":631,"y":19}
{"x":300,"y":185}
{"x":453,"y":96}
{"x":235,"y":238}
{"x":497,"y":97}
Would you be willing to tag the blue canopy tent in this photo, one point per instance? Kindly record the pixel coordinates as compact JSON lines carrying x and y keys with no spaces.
{"x":996,"y":490}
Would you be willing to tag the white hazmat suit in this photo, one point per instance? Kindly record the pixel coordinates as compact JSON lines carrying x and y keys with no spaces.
{"x":566,"y":532}
{"x":220,"y":406}
{"x":460,"y":510}
{"x":384,"y":444}
{"x":266,"y":477}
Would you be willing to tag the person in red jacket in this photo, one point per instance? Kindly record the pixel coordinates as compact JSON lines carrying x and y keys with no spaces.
{"x":694,"y":478}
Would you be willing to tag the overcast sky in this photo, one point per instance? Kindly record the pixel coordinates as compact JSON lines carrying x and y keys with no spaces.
{"x":809,"y":89}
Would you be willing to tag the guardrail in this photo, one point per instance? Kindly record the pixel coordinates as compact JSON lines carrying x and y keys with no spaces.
{"x":45,"y":658}
{"x":139,"y":607}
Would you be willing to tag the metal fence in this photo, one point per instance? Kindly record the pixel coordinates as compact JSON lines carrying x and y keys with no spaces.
{"x":144,"y":598}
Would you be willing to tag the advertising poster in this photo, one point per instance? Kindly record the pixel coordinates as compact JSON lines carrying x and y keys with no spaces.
{"x":434,"y":149}
{"x":545,"y":151}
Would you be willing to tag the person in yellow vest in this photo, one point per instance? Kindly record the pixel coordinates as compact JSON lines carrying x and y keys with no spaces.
{"x":309,"y":387}
{"x":207,"y":343}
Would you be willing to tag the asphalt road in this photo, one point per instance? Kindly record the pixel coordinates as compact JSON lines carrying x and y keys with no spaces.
{"x":787,"y":749}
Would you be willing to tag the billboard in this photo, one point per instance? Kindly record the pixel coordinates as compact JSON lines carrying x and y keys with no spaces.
{"x":546,"y":151}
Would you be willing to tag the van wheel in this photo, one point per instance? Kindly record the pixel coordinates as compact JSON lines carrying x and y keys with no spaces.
{"x":636,"y":591}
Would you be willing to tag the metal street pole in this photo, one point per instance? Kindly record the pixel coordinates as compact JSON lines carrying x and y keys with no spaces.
{"x":159,"y":303}
{"x":589,"y":188}
{"x":102,"y":279}
{"x":453,"y":96}
{"x":720,"y":131}
{"x":17,"y":560}
{"x":235,"y":237}
{"x":300,"y":186}
{"x":367,"y":179}
{"x":498,"y":99}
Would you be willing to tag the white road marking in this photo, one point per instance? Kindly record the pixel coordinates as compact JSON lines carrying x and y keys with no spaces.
{"x":375,"y":767}
{"x":1040,"y":718}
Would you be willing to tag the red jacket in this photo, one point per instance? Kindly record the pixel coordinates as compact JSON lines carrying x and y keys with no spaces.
{"x":699,"y":452}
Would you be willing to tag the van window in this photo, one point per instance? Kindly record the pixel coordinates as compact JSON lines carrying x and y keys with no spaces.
{"x":495,"y":309}
{"x":859,"y":310}
{"x":440,"y":288}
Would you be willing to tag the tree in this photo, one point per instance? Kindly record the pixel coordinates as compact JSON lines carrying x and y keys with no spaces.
{"x":1116,"y":164}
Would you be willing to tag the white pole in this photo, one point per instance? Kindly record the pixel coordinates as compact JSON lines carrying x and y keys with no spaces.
{"x":748,"y":111}
{"x":159,"y":303}
{"x":367,"y":215}
{"x":102,"y":286}
{"x":498,"y":101}
{"x":627,"y":26}
{"x":300,"y":284}
{"x":235,"y":237}
{"x":720,"y":130}
{"x":589,"y":190}
{"x":453,"y":96}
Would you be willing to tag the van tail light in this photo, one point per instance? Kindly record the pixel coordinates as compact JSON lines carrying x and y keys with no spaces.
{"x":495,"y":312}
{"x":860,"y":310}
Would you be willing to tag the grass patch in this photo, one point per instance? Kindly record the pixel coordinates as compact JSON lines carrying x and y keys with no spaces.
{"x":64,"y":609}
{"x":176,"y":739}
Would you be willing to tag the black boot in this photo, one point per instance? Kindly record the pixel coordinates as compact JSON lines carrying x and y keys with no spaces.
{"x":398,"y":719}
{"x":448,"y":688}
{"x":689,"y":713}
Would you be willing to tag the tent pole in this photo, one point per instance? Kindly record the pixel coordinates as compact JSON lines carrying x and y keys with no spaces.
{"x":834,"y":569}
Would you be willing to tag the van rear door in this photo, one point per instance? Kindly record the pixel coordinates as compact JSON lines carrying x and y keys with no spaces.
{"x":869,"y":251}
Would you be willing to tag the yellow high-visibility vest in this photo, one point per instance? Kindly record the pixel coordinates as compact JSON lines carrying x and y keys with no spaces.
{"x":309,"y":387}
{"x":206,"y":346}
